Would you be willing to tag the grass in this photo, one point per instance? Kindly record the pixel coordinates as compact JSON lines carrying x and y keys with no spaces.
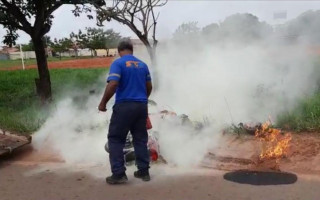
{"x":20,"y":108}
{"x":27,"y":62}
{"x":305,"y":117}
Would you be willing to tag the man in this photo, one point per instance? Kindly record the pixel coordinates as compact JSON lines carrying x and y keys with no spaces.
{"x":130,"y":79}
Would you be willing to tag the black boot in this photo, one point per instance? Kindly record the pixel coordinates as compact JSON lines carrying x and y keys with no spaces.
{"x":117,"y":179}
{"x":143,"y":175}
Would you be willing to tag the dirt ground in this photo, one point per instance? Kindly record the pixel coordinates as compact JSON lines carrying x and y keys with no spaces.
{"x":32,"y":175}
{"x":303,"y":156}
{"x":76,"y":63}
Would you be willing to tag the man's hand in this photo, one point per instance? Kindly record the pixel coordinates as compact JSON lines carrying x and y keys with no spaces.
{"x":102,"y":107}
{"x":108,"y":93}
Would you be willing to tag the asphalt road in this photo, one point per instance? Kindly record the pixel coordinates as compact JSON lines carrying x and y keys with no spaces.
{"x":34,"y":181}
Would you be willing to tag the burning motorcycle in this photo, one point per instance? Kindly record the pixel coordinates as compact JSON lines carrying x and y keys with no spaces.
{"x":153,"y":136}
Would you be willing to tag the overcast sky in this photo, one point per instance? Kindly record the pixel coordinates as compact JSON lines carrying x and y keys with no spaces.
{"x":176,"y":12}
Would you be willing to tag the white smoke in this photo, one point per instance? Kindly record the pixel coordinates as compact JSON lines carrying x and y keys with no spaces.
{"x":226,"y":85}
{"x":252,"y":81}
{"x":76,"y":133}
{"x":223,"y":83}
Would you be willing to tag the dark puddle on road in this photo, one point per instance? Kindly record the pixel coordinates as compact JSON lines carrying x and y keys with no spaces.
{"x":261,"y":178}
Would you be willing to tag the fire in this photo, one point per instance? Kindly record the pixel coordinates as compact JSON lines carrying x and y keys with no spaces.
{"x":275,"y":143}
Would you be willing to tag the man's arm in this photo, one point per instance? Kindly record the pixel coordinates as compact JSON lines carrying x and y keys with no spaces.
{"x":149,"y":88}
{"x":148,"y":81}
{"x":108,"y":93}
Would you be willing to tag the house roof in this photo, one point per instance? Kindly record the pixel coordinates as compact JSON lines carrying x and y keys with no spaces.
{"x":6,"y":49}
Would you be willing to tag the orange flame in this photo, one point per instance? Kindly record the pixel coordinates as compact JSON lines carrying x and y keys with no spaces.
{"x":275,"y":143}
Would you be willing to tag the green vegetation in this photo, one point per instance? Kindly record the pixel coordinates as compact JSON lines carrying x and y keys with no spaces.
{"x":27,"y":62}
{"x":21,"y":109}
{"x":306,"y":116}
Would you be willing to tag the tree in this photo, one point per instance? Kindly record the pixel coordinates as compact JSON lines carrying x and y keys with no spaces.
{"x":138,"y":15}
{"x":34,"y":17}
{"x":92,"y":38}
{"x":188,"y":35}
{"x":30,"y":47}
{"x":112,"y":39}
{"x":79,"y":41}
{"x":27,"y":47}
{"x":244,"y":28}
{"x":210,"y":29}
{"x":61,"y":45}
{"x":306,"y":28}
{"x":186,"y":30}
{"x":96,"y":38}
{"x":47,"y":41}
{"x":211,"y":32}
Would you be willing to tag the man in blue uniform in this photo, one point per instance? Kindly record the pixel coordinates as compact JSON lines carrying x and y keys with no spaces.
{"x":130,"y":79}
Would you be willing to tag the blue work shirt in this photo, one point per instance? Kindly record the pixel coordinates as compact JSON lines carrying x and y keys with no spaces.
{"x":132,"y":75}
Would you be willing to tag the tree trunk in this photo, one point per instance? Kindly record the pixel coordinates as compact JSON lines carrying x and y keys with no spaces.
{"x":152,"y":54}
{"x":151,"y":51}
{"x":156,"y":80}
{"x":43,"y":83}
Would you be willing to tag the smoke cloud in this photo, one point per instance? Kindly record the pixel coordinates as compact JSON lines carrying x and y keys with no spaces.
{"x":215,"y":82}
{"x":76,"y":133}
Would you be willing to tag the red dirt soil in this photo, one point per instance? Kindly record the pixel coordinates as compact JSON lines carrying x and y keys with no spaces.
{"x":237,"y":153}
{"x":77,"y":63}
{"x":242,"y":153}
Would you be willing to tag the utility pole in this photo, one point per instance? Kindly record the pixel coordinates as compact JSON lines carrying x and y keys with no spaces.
{"x":22,"y":59}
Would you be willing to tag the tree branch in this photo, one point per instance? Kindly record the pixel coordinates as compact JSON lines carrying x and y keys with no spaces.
{"x":8,"y":21}
{"x":13,"y":10}
{"x":53,"y":8}
{"x":126,"y":12}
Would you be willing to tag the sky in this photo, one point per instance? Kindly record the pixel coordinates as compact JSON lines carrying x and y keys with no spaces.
{"x":177,"y":12}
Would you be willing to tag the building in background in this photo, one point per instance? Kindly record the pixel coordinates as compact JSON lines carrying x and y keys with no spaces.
{"x":84,"y":52}
{"x":106,"y":53}
{"x":5,"y":52}
{"x":4,"y":56}
{"x":101,"y":52}
{"x":26,"y":55}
